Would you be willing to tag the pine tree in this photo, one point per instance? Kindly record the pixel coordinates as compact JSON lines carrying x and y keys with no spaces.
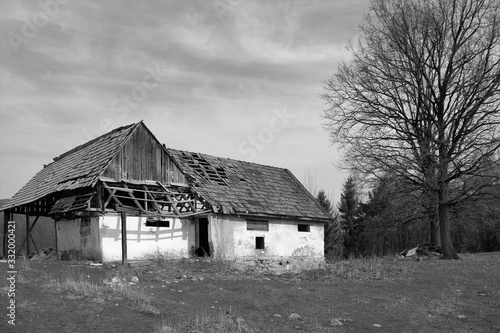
{"x":333,"y":232}
{"x":349,"y":218}
{"x":323,"y":200}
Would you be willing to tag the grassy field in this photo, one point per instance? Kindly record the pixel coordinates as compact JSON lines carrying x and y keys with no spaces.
{"x":371,"y":295}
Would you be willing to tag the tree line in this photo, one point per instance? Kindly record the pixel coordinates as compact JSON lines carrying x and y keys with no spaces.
{"x":391,"y":217}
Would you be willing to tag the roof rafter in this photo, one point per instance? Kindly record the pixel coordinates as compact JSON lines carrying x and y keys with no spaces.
{"x":153,"y":199}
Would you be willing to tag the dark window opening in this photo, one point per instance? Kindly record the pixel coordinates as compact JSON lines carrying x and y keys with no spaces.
{"x":150,"y":222}
{"x":259,"y":243}
{"x":304,"y":228}
{"x":257,"y":225}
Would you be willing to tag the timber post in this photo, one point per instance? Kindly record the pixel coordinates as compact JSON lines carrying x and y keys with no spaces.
{"x":124,"y":237}
{"x":28,"y":235}
{"x":55,"y":232}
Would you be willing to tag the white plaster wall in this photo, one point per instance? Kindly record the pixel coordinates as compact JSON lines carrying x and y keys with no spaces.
{"x":143,"y":242}
{"x":232,"y":239}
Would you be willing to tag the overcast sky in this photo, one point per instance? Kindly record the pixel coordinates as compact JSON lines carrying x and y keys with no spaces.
{"x":231,"y":78}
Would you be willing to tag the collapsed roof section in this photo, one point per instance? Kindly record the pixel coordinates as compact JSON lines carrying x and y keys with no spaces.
{"x":239,"y":187}
{"x":150,"y":198}
{"x":129,"y":170}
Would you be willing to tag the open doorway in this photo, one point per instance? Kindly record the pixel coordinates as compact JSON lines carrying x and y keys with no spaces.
{"x":204,"y":246}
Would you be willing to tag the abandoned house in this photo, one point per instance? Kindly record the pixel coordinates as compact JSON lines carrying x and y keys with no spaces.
{"x":125,"y":195}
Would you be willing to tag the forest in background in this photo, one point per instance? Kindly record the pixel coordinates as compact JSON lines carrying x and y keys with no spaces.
{"x":390,"y":217}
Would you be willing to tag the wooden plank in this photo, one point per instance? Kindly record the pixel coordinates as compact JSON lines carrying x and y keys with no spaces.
{"x":139,"y":190}
{"x":6,"y":217}
{"x":124,"y":238}
{"x":193,"y":214}
{"x":99,"y":199}
{"x":120,"y":189}
{"x":156,"y":200}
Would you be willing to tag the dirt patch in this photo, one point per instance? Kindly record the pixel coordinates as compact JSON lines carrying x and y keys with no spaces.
{"x":384,"y":295}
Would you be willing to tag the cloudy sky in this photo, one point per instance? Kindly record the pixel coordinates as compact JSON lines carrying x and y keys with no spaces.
{"x":231,"y":78}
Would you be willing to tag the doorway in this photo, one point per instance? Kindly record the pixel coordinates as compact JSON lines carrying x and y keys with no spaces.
{"x":204,"y":246}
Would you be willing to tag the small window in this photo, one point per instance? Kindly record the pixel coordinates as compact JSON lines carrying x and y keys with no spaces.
{"x":257,"y":225}
{"x":259,"y":243}
{"x":151,"y":222}
{"x":304,"y":228}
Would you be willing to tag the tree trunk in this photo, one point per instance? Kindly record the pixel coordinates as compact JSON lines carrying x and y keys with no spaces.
{"x":434,"y":231}
{"x":444,"y":224}
{"x":431,"y":207}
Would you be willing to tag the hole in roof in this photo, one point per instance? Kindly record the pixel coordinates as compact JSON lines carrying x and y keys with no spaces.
{"x":206,"y":170}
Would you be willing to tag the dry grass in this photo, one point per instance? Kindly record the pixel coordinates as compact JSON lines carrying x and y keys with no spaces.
{"x":358,"y":270}
{"x":27,"y":306}
{"x":222,"y":322}
{"x":4,"y":291}
{"x":79,"y":286}
{"x":23,"y":264}
{"x":141,"y":299}
{"x":23,"y":267}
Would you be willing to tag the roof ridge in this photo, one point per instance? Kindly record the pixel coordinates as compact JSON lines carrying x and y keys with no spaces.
{"x":228,"y":158}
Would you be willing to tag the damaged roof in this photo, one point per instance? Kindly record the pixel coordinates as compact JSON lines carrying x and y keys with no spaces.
{"x":238,"y":187}
{"x":77,"y":168}
{"x":229,"y":186}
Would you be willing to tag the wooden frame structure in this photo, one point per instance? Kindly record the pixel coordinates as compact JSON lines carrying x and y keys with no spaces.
{"x":152,"y":198}
{"x":139,"y":198}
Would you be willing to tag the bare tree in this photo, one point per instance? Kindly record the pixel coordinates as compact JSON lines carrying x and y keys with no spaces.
{"x":421,"y":97}
{"x":309,"y":181}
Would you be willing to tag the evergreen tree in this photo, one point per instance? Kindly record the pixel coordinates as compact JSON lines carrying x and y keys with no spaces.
{"x":323,"y":200}
{"x":333,"y":232}
{"x":349,"y":218}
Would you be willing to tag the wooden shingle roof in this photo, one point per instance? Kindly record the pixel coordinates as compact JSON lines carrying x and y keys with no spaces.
{"x":77,"y":168}
{"x":229,"y":186}
{"x":234,"y":186}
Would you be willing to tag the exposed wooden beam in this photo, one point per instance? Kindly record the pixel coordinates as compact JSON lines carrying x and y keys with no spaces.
{"x":153,"y":199}
{"x":131,"y":194}
{"x":174,"y":206}
{"x":111,"y":195}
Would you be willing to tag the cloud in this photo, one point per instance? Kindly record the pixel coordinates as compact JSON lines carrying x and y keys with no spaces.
{"x":224,"y":68}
